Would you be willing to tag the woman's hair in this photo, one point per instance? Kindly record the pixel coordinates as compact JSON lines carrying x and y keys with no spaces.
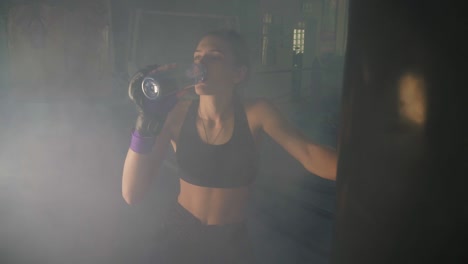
{"x":237,"y":44}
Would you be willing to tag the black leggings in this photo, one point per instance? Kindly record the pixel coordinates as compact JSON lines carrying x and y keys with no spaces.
{"x":184,"y":239}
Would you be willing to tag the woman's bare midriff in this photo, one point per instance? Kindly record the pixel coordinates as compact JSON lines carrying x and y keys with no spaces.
{"x":214,"y":206}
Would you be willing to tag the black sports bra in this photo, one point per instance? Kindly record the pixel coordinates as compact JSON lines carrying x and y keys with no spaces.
{"x":230,"y":165}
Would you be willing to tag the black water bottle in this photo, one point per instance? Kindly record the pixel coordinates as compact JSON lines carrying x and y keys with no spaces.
{"x":164,"y":83}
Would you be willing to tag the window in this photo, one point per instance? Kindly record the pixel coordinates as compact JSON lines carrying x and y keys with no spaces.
{"x":298,"y":38}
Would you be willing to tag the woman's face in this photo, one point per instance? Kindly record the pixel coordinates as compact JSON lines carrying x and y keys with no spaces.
{"x":222,"y":73}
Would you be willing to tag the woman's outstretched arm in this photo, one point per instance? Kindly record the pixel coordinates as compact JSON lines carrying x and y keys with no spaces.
{"x":317,"y":159}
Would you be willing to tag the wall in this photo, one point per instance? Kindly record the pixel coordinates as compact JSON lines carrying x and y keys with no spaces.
{"x":267,"y":80}
{"x":59,"y":51}
{"x":275,"y":79}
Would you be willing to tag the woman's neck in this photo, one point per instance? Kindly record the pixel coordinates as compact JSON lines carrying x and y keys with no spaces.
{"x":215,"y":108}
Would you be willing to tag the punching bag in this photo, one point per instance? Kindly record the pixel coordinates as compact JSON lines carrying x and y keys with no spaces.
{"x":403,"y":155}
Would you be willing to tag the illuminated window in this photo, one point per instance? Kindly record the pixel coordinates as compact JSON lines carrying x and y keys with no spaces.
{"x":298,"y":38}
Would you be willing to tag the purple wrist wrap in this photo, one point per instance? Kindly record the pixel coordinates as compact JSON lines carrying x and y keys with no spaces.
{"x":140,"y":144}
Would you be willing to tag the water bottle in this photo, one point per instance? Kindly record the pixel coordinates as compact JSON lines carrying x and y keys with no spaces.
{"x":164,"y":83}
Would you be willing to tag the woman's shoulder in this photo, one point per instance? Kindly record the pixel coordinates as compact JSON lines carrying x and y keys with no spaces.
{"x":256,"y":109}
{"x":256,"y":105}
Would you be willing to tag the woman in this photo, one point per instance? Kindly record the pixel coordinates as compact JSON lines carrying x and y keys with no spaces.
{"x":216,"y":141}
